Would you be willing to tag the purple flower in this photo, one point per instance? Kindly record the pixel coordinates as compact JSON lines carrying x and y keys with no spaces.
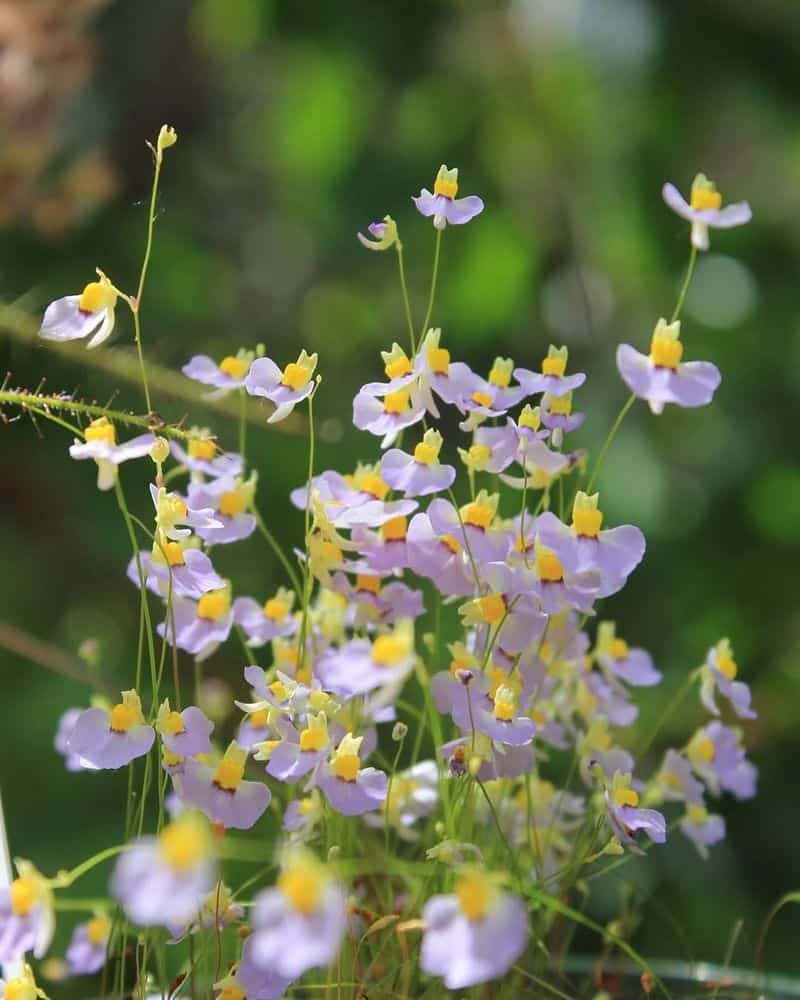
{"x":705,"y":210}
{"x":262,"y":623}
{"x":583,"y":546}
{"x":66,"y":722}
{"x":557,"y":588}
{"x":719,"y":673}
{"x":163,"y":880}
{"x":222,"y":793}
{"x":513,"y":616}
{"x":496,"y":715}
{"x":202,"y":455}
{"x":230,"y":373}
{"x":474,"y":935}
{"x":632,"y":665}
{"x":626,"y":819}
{"x":199,"y":627}
{"x":386,"y":418}
{"x":27,"y":920}
{"x":229,"y":501}
{"x":718,"y":757}
{"x":493,"y":448}
{"x":675,"y":781}
{"x":110,"y":739}
{"x":191,"y":570}
{"x":443,"y":205}
{"x":450,"y":380}
{"x":300,"y":751}
{"x":255,"y":982}
{"x":176,"y":519}
{"x":75,"y":317}
{"x":385,"y":234}
{"x":421,"y":473}
{"x":661,"y":377}
{"x":283,"y":388}
{"x":704,"y":829}
{"x":350,"y":788}
{"x":486,"y":541}
{"x":186,"y":733}
{"x":438,"y":556}
{"x":300,"y":923}
{"x":557,"y":414}
{"x":101,"y":445}
{"x":86,"y":952}
{"x":552,"y":379}
{"x":490,"y":397}
{"x":361,"y":665}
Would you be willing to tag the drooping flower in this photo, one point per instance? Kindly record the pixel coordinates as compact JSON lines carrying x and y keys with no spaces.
{"x":230,"y":373}
{"x":86,"y":952}
{"x":285,"y":389}
{"x":350,"y":788}
{"x":553,"y":378}
{"x":661,"y":377}
{"x":703,"y":828}
{"x":704,"y":209}
{"x":443,"y":205}
{"x":626,"y":819}
{"x":299,"y":924}
{"x":222,"y":793}
{"x":719,"y":673}
{"x":75,"y":317}
{"x":186,"y":733}
{"x":384,"y":233}
{"x":474,"y":935}
{"x":163,"y":880}
{"x":100,"y":444}
{"x":27,"y":917}
{"x":111,"y":739}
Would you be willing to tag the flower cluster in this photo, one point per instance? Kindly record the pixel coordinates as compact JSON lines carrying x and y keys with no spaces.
{"x":522,"y":668}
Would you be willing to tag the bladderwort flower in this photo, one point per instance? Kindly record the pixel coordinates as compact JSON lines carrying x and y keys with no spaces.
{"x":229,"y":499}
{"x":704,"y":209}
{"x":222,"y":793}
{"x":557,"y":415}
{"x":203,"y":457}
{"x":412,"y":796}
{"x":493,"y":449}
{"x":674,"y":782}
{"x":299,"y":751}
{"x":86,"y":952}
{"x":198,"y":627}
{"x":27,"y":915}
{"x":719,"y":760}
{"x":22,"y":987}
{"x":718,"y":673}
{"x":443,"y":205}
{"x":90,"y":314}
{"x":300,"y":923}
{"x":285,"y":389}
{"x":625,"y":817}
{"x":66,"y":723}
{"x":481,"y":534}
{"x":474,"y":935}
{"x":100,"y":444}
{"x":190,"y":570}
{"x":175,"y":519}
{"x":386,"y":417}
{"x":350,"y":788}
{"x":250,"y":982}
{"x":110,"y":739}
{"x":362,"y":665}
{"x":187,"y":733}
{"x":582,"y":546}
{"x":661,"y":377}
{"x":553,"y":378}
{"x":633,"y":665}
{"x":229,"y":374}
{"x":558,"y":588}
{"x":450,"y":380}
{"x":384,"y":234}
{"x":703,"y":828}
{"x":421,"y":473}
{"x":439,"y":556}
{"x":263,"y":622}
{"x":163,"y":880}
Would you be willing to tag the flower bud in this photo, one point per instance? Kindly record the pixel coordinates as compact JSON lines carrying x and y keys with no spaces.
{"x":166,"y":137}
{"x":160,"y":450}
{"x":399,"y":732}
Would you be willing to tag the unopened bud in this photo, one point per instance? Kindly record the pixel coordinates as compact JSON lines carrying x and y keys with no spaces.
{"x":166,"y":137}
{"x":160,"y":450}
{"x":399,"y":732}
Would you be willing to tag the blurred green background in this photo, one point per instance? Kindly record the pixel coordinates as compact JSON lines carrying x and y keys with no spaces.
{"x":301,"y":123}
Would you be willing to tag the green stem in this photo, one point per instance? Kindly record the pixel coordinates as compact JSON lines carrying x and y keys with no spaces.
{"x":307,"y":580}
{"x":434,"y":277}
{"x":687,"y":281}
{"x":611,"y":435}
{"x":274,"y":544}
{"x":65,"y":879}
{"x":28,"y":400}
{"x":406,"y":301}
{"x":242,"y":423}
